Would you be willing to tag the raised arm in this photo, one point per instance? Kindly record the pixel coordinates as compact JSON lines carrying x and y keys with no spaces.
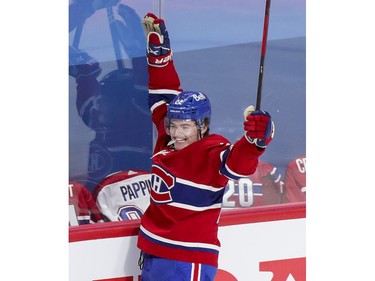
{"x":163,"y":81}
{"x":242,"y":158}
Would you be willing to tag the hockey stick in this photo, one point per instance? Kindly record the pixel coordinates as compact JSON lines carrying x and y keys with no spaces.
{"x":158,"y":7}
{"x":113,"y":27}
{"x":263,"y":53}
{"x":77,"y":35}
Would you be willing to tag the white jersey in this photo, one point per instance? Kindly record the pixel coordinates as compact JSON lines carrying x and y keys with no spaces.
{"x":123,"y":195}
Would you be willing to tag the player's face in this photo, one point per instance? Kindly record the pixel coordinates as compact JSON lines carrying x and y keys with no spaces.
{"x":183,"y":132}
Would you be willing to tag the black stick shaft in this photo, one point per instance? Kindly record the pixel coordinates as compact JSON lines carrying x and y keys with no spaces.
{"x":263,"y":53}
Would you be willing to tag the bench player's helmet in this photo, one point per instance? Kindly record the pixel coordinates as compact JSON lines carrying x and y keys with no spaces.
{"x":190,"y":105}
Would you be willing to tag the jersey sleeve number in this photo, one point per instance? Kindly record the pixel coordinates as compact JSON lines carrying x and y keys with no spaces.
{"x":238,"y":194}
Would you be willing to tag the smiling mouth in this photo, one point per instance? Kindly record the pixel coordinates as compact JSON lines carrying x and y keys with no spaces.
{"x":176,"y":140}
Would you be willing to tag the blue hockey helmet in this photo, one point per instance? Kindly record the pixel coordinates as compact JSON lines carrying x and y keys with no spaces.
{"x":190,"y":105}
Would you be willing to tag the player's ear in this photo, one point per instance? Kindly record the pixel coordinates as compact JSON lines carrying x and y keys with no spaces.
{"x":204,"y":129}
{"x":167,"y":125}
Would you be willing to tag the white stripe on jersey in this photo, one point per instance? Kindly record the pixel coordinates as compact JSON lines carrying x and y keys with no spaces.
{"x":229,"y":170}
{"x":155,"y":105}
{"x":164,"y":91}
{"x":194,"y":208}
{"x":180,"y":243}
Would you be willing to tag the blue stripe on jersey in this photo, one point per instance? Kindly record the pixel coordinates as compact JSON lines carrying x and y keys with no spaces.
{"x":224,"y":169}
{"x":196,"y":195}
{"x":156,"y":96}
{"x":189,"y":246}
{"x":257,"y":188}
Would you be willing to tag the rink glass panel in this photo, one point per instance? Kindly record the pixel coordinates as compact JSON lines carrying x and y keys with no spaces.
{"x":216,"y":49}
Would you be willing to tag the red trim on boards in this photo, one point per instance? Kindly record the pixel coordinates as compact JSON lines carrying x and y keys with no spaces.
{"x":228,"y":217}
{"x":103,"y":230}
{"x":263,"y":214}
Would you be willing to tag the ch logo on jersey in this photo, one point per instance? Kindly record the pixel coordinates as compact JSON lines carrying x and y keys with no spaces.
{"x":100,"y":161}
{"x":162,"y":182}
{"x":130,"y":213}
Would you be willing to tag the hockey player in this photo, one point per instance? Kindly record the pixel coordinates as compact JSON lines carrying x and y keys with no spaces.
{"x":123,"y":195}
{"x":81,"y":10}
{"x":295,"y":180}
{"x":264,"y":187}
{"x":178,"y":235}
{"x":115,"y":106}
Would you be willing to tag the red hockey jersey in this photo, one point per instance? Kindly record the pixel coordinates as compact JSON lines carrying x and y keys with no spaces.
{"x":124,"y":195}
{"x":187,"y":186}
{"x":295,"y":180}
{"x":82,"y":207}
{"x":264,"y":187}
